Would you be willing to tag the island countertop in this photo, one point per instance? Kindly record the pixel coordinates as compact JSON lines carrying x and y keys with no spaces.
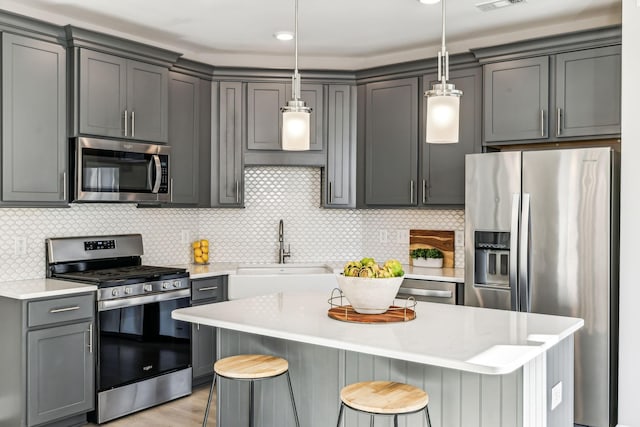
{"x":469,"y":339}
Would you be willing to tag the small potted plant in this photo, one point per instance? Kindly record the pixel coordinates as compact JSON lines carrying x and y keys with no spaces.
{"x":427,"y":257}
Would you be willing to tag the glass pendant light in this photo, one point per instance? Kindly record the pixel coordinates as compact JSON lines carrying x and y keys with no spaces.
{"x":443,"y":101}
{"x":296,"y":116}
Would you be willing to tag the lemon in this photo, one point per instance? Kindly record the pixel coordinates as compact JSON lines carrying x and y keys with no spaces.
{"x":205,"y":257}
{"x":197,"y":252}
{"x":199,"y":260}
{"x":195,"y":244}
{"x":205,"y":249}
{"x":204,"y":242}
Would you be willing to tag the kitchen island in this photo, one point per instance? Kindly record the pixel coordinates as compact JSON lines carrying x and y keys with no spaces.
{"x":479,"y":366}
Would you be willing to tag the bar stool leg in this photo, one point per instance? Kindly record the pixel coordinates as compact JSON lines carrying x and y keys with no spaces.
{"x":395,"y":420}
{"x":206,"y":412}
{"x":251,"y":404}
{"x":426,"y":413}
{"x":293,"y":402}
{"x":340,"y":414}
{"x":371,"y":421}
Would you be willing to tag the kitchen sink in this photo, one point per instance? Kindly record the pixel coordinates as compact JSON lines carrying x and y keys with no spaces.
{"x":285,"y":269}
{"x":261,"y":279}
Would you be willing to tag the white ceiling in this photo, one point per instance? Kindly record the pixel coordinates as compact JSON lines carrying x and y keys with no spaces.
{"x":333,"y":34}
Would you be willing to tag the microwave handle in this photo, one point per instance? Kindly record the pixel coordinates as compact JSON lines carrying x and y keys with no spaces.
{"x":156,"y":185}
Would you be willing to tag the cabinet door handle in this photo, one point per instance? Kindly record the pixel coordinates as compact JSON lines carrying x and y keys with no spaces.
{"x":126,"y":122}
{"x":237,"y":191}
{"x":171,"y":190}
{"x":424,"y":191}
{"x":411,"y":189}
{"x":208,"y":288}
{"x":90,"y":338}
{"x":558,"y":122}
{"x":133,"y":124}
{"x":542,"y":123}
{"x":63,"y":310}
{"x":330,"y":193}
{"x":64,"y":186}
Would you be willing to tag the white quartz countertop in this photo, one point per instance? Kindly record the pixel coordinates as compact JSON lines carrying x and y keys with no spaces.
{"x":421,"y":273}
{"x":42,"y":288}
{"x":464,"y":338}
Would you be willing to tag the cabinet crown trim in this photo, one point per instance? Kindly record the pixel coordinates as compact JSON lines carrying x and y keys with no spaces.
{"x":605,"y":36}
{"x":80,"y":37}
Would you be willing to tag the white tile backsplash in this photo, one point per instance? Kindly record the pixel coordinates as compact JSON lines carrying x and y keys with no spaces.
{"x":239,"y":235}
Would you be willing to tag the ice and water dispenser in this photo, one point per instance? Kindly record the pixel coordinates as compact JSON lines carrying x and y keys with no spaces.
{"x":492,"y":258}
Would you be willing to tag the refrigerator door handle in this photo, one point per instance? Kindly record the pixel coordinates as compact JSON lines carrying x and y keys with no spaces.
{"x":513,"y":252}
{"x":525,"y":232}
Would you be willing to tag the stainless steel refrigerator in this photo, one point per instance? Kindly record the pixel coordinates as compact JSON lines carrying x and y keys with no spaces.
{"x":541,"y":235}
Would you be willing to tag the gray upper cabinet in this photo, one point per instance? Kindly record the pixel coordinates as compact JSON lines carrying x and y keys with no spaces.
{"x":230,"y":163}
{"x":588,"y":92}
{"x":120,"y":97}
{"x":516,"y":100}
{"x":264,"y":120}
{"x":442,"y":165}
{"x":34,"y":131}
{"x":341,"y":145}
{"x":184,"y":127}
{"x":391,"y":143}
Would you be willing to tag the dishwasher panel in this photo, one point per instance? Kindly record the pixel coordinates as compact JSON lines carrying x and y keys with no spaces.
{"x":429,"y":290}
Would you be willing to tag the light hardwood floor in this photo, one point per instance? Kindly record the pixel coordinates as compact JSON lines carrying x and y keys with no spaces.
{"x":184,"y":412}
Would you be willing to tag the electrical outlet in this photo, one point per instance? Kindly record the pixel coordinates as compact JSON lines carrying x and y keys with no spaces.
{"x":556,"y":395}
{"x":19,"y":246}
{"x":382,"y":236}
{"x":184,"y":237}
{"x":402,"y":236}
{"x":459,"y":237}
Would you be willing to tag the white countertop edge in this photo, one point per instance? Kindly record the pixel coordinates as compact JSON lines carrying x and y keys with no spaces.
{"x":503,"y":369}
{"x":42,"y":288}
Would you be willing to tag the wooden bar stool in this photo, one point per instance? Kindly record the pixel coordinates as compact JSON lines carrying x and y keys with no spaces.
{"x":250,"y":367}
{"x":384,"y":398}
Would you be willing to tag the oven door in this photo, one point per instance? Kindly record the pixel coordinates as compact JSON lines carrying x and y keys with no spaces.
{"x":121,"y":171}
{"x":138,"y":339}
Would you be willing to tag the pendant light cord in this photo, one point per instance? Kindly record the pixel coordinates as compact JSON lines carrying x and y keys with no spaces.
{"x":443,"y":55}
{"x":296,"y":75}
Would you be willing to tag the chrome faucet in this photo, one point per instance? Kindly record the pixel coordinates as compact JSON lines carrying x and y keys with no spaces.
{"x":282,"y":254}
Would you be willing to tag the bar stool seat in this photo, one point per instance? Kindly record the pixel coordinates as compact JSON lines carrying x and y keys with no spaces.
{"x":384,"y":398}
{"x":251,"y":367}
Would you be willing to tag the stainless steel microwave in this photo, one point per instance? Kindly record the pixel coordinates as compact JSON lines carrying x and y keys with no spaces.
{"x":120,"y":171}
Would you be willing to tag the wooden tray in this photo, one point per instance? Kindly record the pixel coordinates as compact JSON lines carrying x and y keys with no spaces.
{"x":346,"y":313}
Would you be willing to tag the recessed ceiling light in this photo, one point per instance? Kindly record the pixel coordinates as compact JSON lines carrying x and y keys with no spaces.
{"x":429,"y":1}
{"x":284,"y":36}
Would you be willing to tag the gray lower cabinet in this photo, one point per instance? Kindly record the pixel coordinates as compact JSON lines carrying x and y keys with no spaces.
{"x":47,"y":364}
{"x":34,"y":131}
{"x":340,"y":173}
{"x":442,"y":165}
{"x":120,"y":97}
{"x":59,"y":372}
{"x":203,"y":338}
{"x":184,"y":128}
{"x":516,"y":100}
{"x":227,"y":176}
{"x":588,"y":92}
{"x":391,"y":143}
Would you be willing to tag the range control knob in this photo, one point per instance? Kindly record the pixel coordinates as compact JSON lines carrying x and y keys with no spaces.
{"x":128,"y":291}
{"x":148,"y":288}
{"x":115,"y":292}
{"x":176,"y":283}
{"x":166,"y":285}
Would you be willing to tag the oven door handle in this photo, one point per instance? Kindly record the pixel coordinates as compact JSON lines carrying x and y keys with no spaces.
{"x":145,"y":299}
{"x":426,"y":292}
{"x":158,"y":168}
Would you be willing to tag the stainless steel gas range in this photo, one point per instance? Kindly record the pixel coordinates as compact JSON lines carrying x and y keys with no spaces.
{"x":144,"y":355}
